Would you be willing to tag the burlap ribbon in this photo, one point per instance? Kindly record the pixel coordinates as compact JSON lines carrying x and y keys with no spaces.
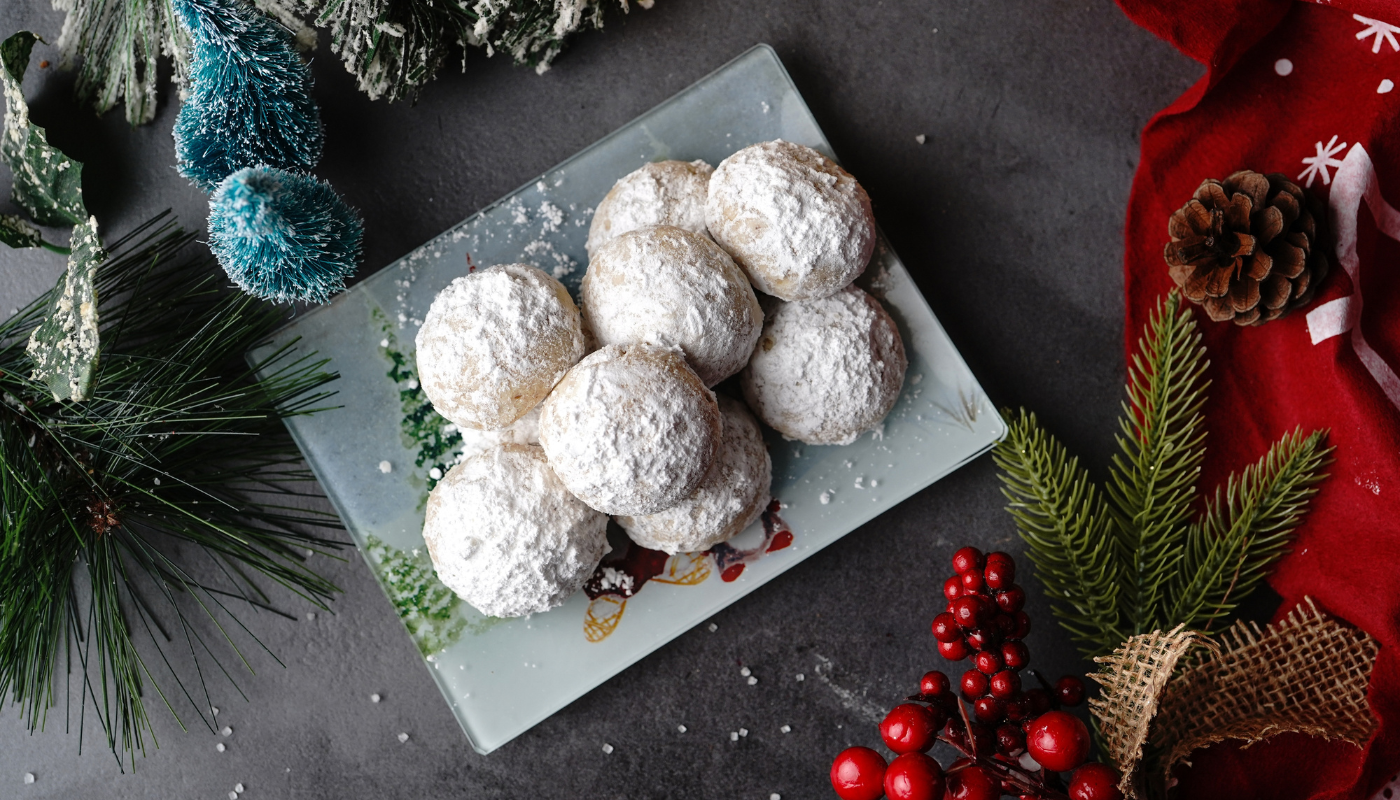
{"x":1166,"y":695}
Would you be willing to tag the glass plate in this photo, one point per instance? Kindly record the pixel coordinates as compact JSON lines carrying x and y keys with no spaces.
{"x":378,"y":455}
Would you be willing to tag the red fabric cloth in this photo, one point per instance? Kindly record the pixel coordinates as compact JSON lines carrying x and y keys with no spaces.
{"x":1309,"y":90}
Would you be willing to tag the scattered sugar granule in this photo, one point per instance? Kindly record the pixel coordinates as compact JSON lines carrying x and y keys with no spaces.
{"x":860,"y":482}
{"x":874,"y":482}
{"x":800,"y":677}
{"x":765,"y":105}
{"x":746,"y":672}
{"x":825,"y":498}
{"x":233,"y":796}
{"x":385,"y":467}
{"x":28,"y":777}
{"x":157,"y":480}
{"x":238,"y":787}
{"x":383,"y":342}
{"x":752,"y":680}
{"x":215,"y":709}
{"x":435,"y":474}
{"x":743,"y":731}
{"x":733,"y":736}
{"x":713,"y":627}
{"x":921,"y":138}
{"x":607,"y":748}
{"x":681,"y":728}
{"x":786,"y":729}
{"x":403,"y":737}
{"x":219,"y":747}
{"x":310,"y":615}
{"x":227,"y":731}
{"x":775,"y":796}
{"x":374,"y":698}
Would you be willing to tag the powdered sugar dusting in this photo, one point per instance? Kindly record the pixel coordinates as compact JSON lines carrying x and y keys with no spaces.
{"x":662,"y":193}
{"x":671,"y":287}
{"x":799,"y":225}
{"x":631,"y":429}
{"x":825,"y":371}
{"x":731,"y":497}
{"x":507,"y":537}
{"x":495,"y":342}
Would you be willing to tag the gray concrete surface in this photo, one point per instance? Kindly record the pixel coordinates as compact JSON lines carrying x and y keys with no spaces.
{"x":1010,"y":217}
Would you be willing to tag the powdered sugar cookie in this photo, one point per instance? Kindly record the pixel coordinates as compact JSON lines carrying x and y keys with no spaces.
{"x":825,"y":371}
{"x":495,"y":342}
{"x":799,"y":225}
{"x":671,"y":287}
{"x":507,"y":537}
{"x":661,"y":193}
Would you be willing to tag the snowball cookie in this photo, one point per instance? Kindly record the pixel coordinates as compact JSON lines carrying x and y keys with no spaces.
{"x":733,"y":494}
{"x":799,"y":225}
{"x":507,"y":537}
{"x":495,"y":342}
{"x":662,"y":193}
{"x":670,"y":287}
{"x":827,"y":370}
{"x":630,"y":429}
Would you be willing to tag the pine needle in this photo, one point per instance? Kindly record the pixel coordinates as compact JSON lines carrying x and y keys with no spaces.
{"x":1062,"y":516}
{"x":1162,"y":445}
{"x":179,"y":451}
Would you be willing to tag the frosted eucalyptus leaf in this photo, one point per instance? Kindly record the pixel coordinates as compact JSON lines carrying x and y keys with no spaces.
{"x":47,"y":184}
{"x":15,"y":232}
{"x":65,"y":346}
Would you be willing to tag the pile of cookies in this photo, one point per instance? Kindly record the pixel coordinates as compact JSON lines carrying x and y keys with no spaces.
{"x":573,"y":414}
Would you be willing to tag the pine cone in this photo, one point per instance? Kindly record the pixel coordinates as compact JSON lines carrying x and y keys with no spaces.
{"x":1246,"y":248}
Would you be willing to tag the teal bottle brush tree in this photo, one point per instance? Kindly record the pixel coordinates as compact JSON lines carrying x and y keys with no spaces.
{"x":250,"y":134}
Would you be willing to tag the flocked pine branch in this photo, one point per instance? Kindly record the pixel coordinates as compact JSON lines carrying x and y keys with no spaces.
{"x":1246,"y":527}
{"x":139,"y":522}
{"x":1062,"y":516}
{"x":1152,"y":480}
{"x":1165,"y":568}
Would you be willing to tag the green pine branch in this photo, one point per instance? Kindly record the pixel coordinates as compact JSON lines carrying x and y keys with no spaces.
{"x":179,"y":457}
{"x":1247,"y":526}
{"x":1141,"y":561}
{"x":1063,"y":518}
{"x":1152,"y":480}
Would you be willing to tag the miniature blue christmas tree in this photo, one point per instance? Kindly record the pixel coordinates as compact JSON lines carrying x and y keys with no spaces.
{"x":283,"y":236}
{"x":249,"y":100}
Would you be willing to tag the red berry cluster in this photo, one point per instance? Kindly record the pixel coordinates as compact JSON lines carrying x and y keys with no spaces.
{"x":1014,"y":741}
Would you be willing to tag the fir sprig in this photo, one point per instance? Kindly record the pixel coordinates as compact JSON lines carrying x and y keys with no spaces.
{"x":179,"y":452}
{"x":1139,"y":562}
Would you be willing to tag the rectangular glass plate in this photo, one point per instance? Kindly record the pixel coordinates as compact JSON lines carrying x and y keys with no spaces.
{"x":378,"y":455}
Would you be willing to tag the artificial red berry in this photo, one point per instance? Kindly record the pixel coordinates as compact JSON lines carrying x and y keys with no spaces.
{"x":974,"y":684}
{"x":967,"y":611}
{"x":972,"y":582}
{"x":939,"y":715}
{"x":1015,"y":655}
{"x":1070,"y":690}
{"x":987,"y":709}
{"x":999,"y":574}
{"x":1011,"y":600}
{"x":934,"y":684}
{"x":953,"y":651}
{"x":1017,"y":709}
{"x":998,"y":556}
{"x":987,"y":662}
{"x":966,"y":560}
{"x":945,"y":628}
{"x":909,"y":728}
{"x":1094,"y":781}
{"x":954,"y":733}
{"x":1004,"y":623}
{"x":984,"y":639}
{"x":1038,"y":700}
{"x":1023,"y":626}
{"x":1058,"y":741}
{"x":914,"y":776}
{"x":1004,"y":685}
{"x":1010,"y":739}
{"x":952,"y":588}
{"x":858,"y":773}
{"x":972,"y":783}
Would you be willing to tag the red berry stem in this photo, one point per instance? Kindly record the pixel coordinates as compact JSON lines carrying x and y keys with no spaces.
{"x":1034,"y":785}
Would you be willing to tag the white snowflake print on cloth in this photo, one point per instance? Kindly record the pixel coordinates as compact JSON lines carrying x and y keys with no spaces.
{"x":1383,"y":31}
{"x":1320,"y":163}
